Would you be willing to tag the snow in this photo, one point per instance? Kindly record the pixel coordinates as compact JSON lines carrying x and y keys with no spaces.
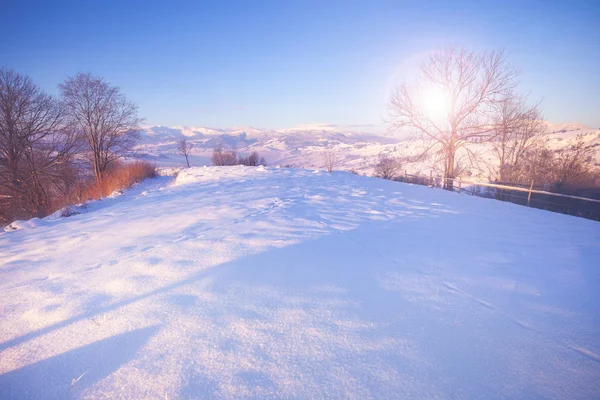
{"x":239,"y":282}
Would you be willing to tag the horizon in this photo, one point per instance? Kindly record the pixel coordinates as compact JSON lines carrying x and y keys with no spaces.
{"x":274,"y":66}
{"x":334,"y":127}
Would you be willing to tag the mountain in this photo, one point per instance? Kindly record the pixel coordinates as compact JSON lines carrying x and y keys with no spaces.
{"x":304,"y":147}
{"x":300,"y":147}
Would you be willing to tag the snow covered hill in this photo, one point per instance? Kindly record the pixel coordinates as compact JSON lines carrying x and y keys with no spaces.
{"x":305,"y":147}
{"x":240,"y":282}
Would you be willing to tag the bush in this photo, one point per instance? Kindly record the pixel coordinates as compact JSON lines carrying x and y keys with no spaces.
{"x":388,"y":167}
{"x":567,"y":170}
{"x":226,"y":158}
{"x":330,"y":159}
{"x":120,"y":176}
{"x":223,"y":158}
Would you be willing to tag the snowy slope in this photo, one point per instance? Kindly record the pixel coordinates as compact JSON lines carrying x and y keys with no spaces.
{"x":241,"y":282}
{"x":304,"y":147}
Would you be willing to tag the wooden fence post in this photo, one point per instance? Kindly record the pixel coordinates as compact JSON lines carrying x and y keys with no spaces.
{"x":459,"y":183}
{"x":405,"y":176}
{"x":529,"y":196}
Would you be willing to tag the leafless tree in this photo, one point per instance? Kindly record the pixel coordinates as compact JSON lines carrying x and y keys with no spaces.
{"x":463,"y":88}
{"x":564,"y":170}
{"x":224,"y":158}
{"x":254,"y":159}
{"x":538,"y":165}
{"x":575,"y":167}
{"x":388,"y":167}
{"x":330,"y":159}
{"x":36,"y":147}
{"x":251,"y":160}
{"x":184,"y":147}
{"x":518,"y":128}
{"x":105,"y":117}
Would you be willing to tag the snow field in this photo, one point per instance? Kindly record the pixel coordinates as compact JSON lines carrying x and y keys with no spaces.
{"x":240,"y":282}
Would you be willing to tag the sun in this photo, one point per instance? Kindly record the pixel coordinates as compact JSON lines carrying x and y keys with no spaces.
{"x":435,"y":103}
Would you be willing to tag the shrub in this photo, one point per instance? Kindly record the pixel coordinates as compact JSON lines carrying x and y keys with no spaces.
{"x":330,"y":159}
{"x":223,"y":158}
{"x":251,"y":160}
{"x":566,"y":170}
{"x":388,"y":167}
{"x":120,"y":176}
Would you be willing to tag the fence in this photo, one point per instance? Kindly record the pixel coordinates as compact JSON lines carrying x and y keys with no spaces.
{"x":530,"y":196}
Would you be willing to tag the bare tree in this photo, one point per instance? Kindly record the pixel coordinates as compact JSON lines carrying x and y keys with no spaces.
{"x":567,"y":169}
{"x":105,"y":117}
{"x":253,"y":159}
{"x":184,"y":147}
{"x":224,"y":158}
{"x":388,"y":167}
{"x":36,"y":147}
{"x":518,"y":128}
{"x":538,"y":165}
{"x":453,"y":102}
{"x":574,"y":166}
{"x":330,"y":159}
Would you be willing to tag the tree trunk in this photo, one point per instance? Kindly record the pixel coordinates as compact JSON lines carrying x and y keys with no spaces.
{"x":449,"y":181}
{"x":97,"y":170}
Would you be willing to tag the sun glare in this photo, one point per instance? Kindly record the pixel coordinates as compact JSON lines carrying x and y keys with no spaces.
{"x":435,"y":103}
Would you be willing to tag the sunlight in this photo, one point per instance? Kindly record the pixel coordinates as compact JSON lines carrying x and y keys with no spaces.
{"x":435,"y":103}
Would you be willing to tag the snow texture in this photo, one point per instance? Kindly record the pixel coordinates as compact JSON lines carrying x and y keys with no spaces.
{"x":240,"y":282}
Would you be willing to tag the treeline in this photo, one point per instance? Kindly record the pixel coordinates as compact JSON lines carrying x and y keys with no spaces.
{"x":56,"y":150}
{"x":222,"y":157}
{"x":568,"y":170}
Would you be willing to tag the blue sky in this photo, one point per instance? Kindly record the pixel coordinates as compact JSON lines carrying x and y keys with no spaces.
{"x":278,"y":64}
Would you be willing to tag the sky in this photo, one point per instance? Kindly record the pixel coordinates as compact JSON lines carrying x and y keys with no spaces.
{"x":281,"y":64}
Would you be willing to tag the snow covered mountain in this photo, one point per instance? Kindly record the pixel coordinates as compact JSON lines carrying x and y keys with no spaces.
{"x":241,"y":282}
{"x":302,"y":148}
{"x":305,"y":147}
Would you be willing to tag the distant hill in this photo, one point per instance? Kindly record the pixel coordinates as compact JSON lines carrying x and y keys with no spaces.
{"x":304,"y":147}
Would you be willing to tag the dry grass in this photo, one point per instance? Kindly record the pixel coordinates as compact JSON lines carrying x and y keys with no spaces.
{"x":120,"y":176}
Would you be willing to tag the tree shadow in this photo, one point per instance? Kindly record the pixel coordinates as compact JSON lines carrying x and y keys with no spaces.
{"x":385,"y":286}
{"x":52,"y":378}
{"x":278,"y":267}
